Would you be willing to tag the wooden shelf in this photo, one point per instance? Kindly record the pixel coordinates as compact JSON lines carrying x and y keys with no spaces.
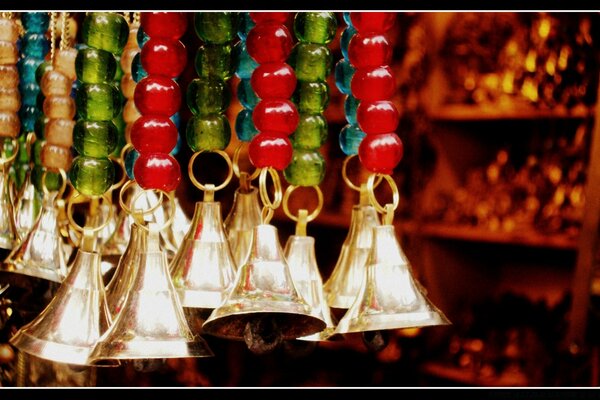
{"x":469,"y":378}
{"x":465,"y":112}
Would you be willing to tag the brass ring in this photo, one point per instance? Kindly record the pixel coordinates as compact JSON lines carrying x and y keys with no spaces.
{"x":345,"y":174}
{"x":120,"y":163}
{"x":286,"y":196}
{"x":236,"y":164}
{"x":262,"y":186}
{"x":63,"y":186}
{"x":13,"y":156}
{"x":200,"y":185}
{"x":169,"y":221}
{"x":371,"y":191}
{"x":29,"y":141}
{"x":75,"y":199}
{"x":128,"y":209}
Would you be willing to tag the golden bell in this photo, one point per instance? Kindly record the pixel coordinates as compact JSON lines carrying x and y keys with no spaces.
{"x":203,"y":268}
{"x":390,"y":298}
{"x":42,"y":253}
{"x":103,"y":216}
{"x":27,"y":207}
{"x":68,"y":328}
{"x":263,"y":303}
{"x":8,"y":230}
{"x":151,"y":323}
{"x":300,"y":255}
{"x":177,"y":230}
{"x":347,"y":276}
{"x":240,"y":222}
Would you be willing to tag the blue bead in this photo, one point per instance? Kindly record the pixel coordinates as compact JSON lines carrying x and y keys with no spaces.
{"x":29,"y":92}
{"x":27,"y":67}
{"x":245,"y":24}
{"x":74,"y":87}
{"x":129,"y":161}
{"x":343,"y":76}
{"x":345,"y":40}
{"x":347,"y":18}
{"x":35,"y":22}
{"x":28,"y":116}
{"x":246,"y":94}
{"x":177,"y":146}
{"x":176,"y":119}
{"x":141,"y":37}
{"x":35,"y":45}
{"x":137,"y":71}
{"x":244,"y":126}
{"x":244,"y":64}
{"x":350,"y":105}
{"x":350,"y":138}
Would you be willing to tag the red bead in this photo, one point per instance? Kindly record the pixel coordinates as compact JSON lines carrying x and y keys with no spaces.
{"x":153,"y":134}
{"x":157,"y":95}
{"x":273,"y":81}
{"x":369,"y":50}
{"x":157,"y":171}
{"x":380,"y":153}
{"x":268,"y":150}
{"x":275,"y":116}
{"x":167,"y":25}
{"x":269,"y":42}
{"x":365,"y":22}
{"x":376,"y":117}
{"x":280,"y":17}
{"x":166,"y":57}
{"x":373,"y":83}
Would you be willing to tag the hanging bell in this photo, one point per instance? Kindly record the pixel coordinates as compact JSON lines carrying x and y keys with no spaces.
{"x":27,"y":207}
{"x":300,"y":255}
{"x":42,"y":253}
{"x":151,"y":323}
{"x":68,"y":328}
{"x":345,"y":281}
{"x":8,"y":230}
{"x":177,"y":230}
{"x":263,"y":307}
{"x":390,"y":298}
{"x":240,"y":223}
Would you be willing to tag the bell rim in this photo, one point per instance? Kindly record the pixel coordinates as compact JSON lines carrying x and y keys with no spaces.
{"x":23,"y":269}
{"x":397,"y":321}
{"x":25,"y":342}
{"x":197,"y":348}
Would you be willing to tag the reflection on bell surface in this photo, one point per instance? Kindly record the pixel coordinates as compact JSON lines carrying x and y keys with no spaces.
{"x":27,"y":207}
{"x":68,"y":328}
{"x":8,"y":230}
{"x":203,"y":268}
{"x":264,"y":297}
{"x":100,"y":217}
{"x":300,"y":255}
{"x":390,"y":298}
{"x":180,"y":225}
{"x":347,"y":276}
{"x":151,"y":323}
{"x":240,"y":223}
{"x":42,"y":253}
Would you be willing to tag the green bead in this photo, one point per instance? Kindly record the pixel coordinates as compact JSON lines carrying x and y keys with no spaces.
{"x":106,"y":31}
{"x":121,"y":142}
{"x":315,"y":27}
{"x":44,"y":67}
{"x":311,"y":62}
{"x":40,"y":127}
{"x":216,"y":27}
{"x":53,"y":180}
{"x":92,"y":176}
{"x":119,"y":74}
{"x":95,"y":66}
{"x":311,"y":97}
{"x":98,"y":101}
{"x":215,"y":60}
{"x":36,"y":152}
{"x":306,"y":169}
{"x":311,"y":132}
{"x":208,"y":96}
{"x":95,"y":138}
{"x":209,"y":132}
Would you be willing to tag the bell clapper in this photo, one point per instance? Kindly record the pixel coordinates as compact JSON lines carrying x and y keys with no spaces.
{"x":262,"y":335}
{"x":376,"y":341}
{"x":148,"y":364}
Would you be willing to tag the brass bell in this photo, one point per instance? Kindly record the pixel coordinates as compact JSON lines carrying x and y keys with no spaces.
{"x":151,"y":323}
{"x":240,"y":222}
{"x":177,"y":230}
{"x":8,"y":230}
{"x":390,"y":297}
{"x":27,"y":207}
{"x":263,"y":307}
{"x":68,"y":328}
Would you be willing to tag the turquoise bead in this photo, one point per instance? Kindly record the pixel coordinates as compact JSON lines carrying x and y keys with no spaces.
{"x":177,"y":147}
{"x":105,"y":31}
{"x":35,"y":45}
{"x":27,"y":67}
{"x":350,"y":105}
{"x":315,"y":27}
{"x":311,"y":97}
{"x":137,"y":70}
{"x":95,"y":66}
{"x":215,"y":60}
{"x":130,"y":158}
{"x":210,"y":132}
{"x":92,"y":176}
{"x":244,"y":126}
{"x":98,"y":101}
{"x":40,"y":126}
{"x":311,"y":132}
{"x":29,"y":93}
{"x":344,"y":71}
{"x":29,"y":116}
{"x":141,"y":37}
{"x":246,"y":94}
{"x":216,"y":27}
{"x":306,"y":169}
{"x":350,"y":138}
{"x":346,"y":16}
{"x":345,"y":40}
{"x":208,"y":96}
{"x":95,"y":139}
{"x":41,"y":70}
{"x":244,"y":65}
{"x":35,"y":22}
{"x":245,"y":24}
{"x":311,"y":62}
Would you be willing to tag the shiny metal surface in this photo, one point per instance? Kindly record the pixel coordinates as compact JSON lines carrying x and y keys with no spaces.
{"x":27,"y":207}
{"x":8,"y":230}
{"x":180,"y":225}
{"x":240,"y":222}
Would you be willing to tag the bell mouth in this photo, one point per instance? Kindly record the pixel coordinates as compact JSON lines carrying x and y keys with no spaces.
{"x":143,"y":349}
{"x":36,"y":272}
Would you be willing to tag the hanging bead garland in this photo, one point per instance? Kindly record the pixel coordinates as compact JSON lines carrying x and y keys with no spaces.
{"x":98,"y":102}
{"x":158,"y":97}
{"x":269,"y":43}
{"x":10,"y":98}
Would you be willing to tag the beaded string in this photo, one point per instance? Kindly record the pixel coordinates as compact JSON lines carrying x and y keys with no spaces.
{"x":10,"y":101}
{"x":131,"y":50}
